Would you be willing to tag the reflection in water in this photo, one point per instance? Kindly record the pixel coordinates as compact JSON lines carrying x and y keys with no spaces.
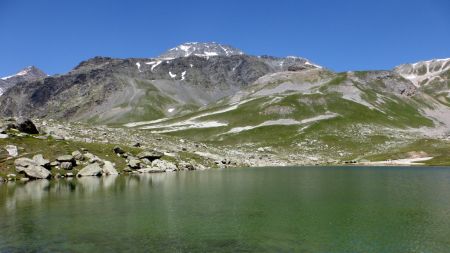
{"x":265,"y":209}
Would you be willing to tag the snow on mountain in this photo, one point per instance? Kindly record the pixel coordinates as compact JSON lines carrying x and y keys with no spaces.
{"x":424,"y":72}
{"x":202,"y":49}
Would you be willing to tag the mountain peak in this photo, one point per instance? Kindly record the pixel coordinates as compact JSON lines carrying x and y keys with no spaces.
{"x":30,"y":72}
{"x":202,"y":49}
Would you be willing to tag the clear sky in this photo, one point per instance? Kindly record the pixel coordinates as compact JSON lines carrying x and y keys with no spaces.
{"x":55,"y":35}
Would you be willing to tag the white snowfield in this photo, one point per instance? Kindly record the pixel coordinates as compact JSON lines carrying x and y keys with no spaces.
{"x":190,"y":123}
{"x":284,"y":122}
{"x":433,"y":69}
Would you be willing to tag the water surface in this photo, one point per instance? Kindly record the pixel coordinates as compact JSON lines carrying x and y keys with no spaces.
{"x":296,"y":209}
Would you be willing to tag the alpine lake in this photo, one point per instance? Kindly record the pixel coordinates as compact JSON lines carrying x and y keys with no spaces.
{"x":272,"y":209}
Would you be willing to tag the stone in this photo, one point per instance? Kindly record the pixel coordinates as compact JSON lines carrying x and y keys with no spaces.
{"x":92,"y":169}
{"x":109,"y":168}
{"x":69,"y":174}
{"x":25,"y":125}
{"x":65,"y":158}
{"x":3,"y":136}
{"x":163,"y":165}
{"x":39,"y":159}
{"x":150,"y":154}
{"x":134,"y":163}
{"x":36,"y":171}
{"x":92,"y":158}
{"x":66,"y":165}
{"x":23,"y":162}
{"x":54,"y":164}
{"x":137,"y":144}
{"x":127,"y":169}
{"x":24,"y":179}
{"x":186,"y":166}
{"x":118,"y":150}
{"x":77,"y":155}
{"x":12,"y":150}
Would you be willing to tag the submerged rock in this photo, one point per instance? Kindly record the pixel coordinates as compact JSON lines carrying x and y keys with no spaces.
{"x":92,"y":169}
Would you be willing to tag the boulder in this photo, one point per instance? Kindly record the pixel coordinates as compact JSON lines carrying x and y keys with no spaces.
{"x":26,"y":126}
{"x":134,"y":163}
{"x":118,"y":150}
{"x":150,"y":154}
{"x":66,"y":165}
{"x":77,"y":155}
{"x":22,"y":163}
{"x":39,"y":160}
{"x":65,"y":158}
{"x":3,"y":136}
{"x":92,"y":169}
{"x":69,"y":174}
{"x":164,"y":165}
{"x":109,"y":168}
{"x":12,"y":150}
{"x":36,"y":171}
{"x":186,"y":166}
{"x":92,"y":158}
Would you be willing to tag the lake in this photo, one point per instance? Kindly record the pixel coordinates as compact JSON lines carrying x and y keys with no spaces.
{"x":291,"y":209}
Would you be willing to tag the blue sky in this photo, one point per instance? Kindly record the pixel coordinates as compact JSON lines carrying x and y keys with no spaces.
{"x":56,"y":35}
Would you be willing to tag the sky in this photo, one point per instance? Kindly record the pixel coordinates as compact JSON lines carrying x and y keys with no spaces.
{"x":56,"y":35}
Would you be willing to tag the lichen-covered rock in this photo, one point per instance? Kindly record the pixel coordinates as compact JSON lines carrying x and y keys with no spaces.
{"x":77,"y":155}
{"x":66,"y":165}
{"x":36,"y":171}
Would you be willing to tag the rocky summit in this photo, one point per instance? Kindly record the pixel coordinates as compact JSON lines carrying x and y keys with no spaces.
{"x":203,"y":105}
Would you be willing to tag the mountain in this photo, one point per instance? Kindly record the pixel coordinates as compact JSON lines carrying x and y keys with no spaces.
{"x":108,"y":90}
{"x":289,"y":107}
{"x":27,"y":74}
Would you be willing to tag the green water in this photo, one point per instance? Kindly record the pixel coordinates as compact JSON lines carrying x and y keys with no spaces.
{"x":303,"y":209}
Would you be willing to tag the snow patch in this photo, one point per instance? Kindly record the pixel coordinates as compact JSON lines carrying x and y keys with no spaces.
{"x":284,"y":122}
{"x":138,"y":66}
{"x":154,"y":64}
{"x":171,"y":109}
{"x":172,"y":75}
{"x":183,"y":75}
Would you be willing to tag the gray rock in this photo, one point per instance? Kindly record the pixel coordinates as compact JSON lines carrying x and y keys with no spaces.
{"x":150,"y":154}
{"x":23,"y":162}
{"x":54,"y":164}
{"x":109,"y":168}
{"x":69,"y":174}
{"x":92,"y":169}
{"x":134,"y":163}
{"x":66,"y":165}
{"x":12,"y":150}
{"x":39,"y":159}
{"x":164,"y":165}
{"x":36,"y":171}
{"x":3,"y":136}
{"x":92,"y":158}
{"x":77,"y":155}
{"x":24,"y":179}
{"x":65,"y":158}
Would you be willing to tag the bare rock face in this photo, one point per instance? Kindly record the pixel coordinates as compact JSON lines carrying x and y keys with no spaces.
{"x":92,"y":169}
